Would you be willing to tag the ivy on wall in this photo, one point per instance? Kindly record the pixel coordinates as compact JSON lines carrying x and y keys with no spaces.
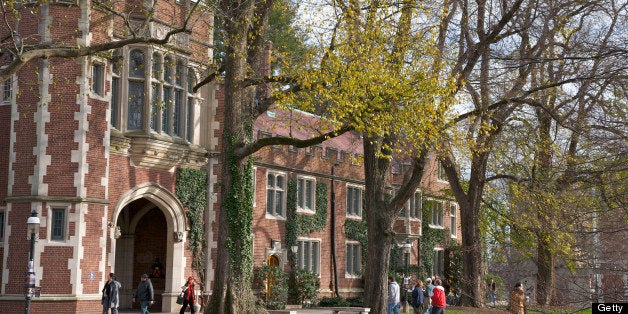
{"x":429,"y":238}
{"x":356,"y":230}
{"x":301,"y":224}
{"x":191,"y":189}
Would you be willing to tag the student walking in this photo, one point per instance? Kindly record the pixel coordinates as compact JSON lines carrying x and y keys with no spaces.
{"x":144,"y":294}
{"x":188,"y":296}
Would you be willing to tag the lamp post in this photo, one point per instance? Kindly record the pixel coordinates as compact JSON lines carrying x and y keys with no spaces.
{"x":294,"y":249}
{"x":33,"y":228}
{"x":406,"y":252}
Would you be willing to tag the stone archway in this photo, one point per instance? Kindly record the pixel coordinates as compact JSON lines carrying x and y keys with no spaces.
{"x":272,"y":260}
{"x":149,"y":212}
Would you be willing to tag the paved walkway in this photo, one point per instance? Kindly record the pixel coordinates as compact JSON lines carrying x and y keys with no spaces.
{"x":299,"y":311}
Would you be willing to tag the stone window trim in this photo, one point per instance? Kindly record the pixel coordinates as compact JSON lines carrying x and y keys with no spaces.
{"x":350,"y":212}
{"x":8,"y":86}
{"x":276,"y":190}
{"x":436,"y":219}
{"x":416,"y":213}
{"x":97,"y":78}
{"x":439,"y":262}
{"x":453,"y":219}
{"x":312,"y":265}
{"x":148,"y":80}
{"x":356,"y":247}
{"x":409,"y":211}
{"x":50,"y":209}
{"x":441,"y":176}
{"x":302,"y":207}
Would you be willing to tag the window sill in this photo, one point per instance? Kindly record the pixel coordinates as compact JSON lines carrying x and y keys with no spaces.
{"x":306,"y":211}
{"x":436,"y":226}
{"x":354,"y":217}
{"x":274,"y":217}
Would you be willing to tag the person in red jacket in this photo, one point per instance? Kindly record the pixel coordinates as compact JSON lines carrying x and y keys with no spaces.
{"x":188,"y":296}
{"x":438,"y":299}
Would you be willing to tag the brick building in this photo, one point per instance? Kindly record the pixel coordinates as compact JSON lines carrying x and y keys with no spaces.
{"x":92,"y":145}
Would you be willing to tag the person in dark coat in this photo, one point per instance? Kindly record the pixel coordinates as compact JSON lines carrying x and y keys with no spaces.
{"x":144,"y":294}
{"x":418,"y":297}
{"x":110,"y":295}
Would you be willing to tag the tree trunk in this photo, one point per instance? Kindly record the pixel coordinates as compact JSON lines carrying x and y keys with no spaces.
{"x":378,"y":222}
{"x":546,"y":276}
{"x":234,"y":267}
{"x":469,"y":202}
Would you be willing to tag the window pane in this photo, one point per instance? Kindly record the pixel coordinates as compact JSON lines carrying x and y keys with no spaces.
{"x":315,"y":255}
{"x":349,"y":257}
{"x":306,"y":255}
{"x":356,"y":259}
{"x":191,"y":80}
{"x":179,"y":72}
{"x":349,"y":201}
{"x":136,"y":104}
{"x":58,"y":224}
{"x":190,"y":120}
{"x":115,"y":96}
{"x":156,"y":70}
{"x":165,"y":111}
{"x":308,"y":194}
{"x":300,"y":254}
{"x":136,"y":63}
{"x":279,"y":202}
{"x":168,"y":64}
{"x":271,"y":180}
{"x":97,"y":78}
{"x":300,"y":193}
{"x":270,"y":200}
{"x":176,"y":119}
{"x":154,"y":114}
{"x":280,"y":182}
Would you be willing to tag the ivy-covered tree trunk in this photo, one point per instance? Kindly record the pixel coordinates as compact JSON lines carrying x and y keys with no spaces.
{"x":234,"y":266}
{"x":379,"y":217}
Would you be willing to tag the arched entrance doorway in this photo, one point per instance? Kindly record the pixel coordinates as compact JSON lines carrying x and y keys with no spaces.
{"x":148,"y":239}
{"x":273,"y":261}
{"x":142,"y":226}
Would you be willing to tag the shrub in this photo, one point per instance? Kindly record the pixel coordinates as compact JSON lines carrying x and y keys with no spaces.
{"x":356,"y":301}
{"x":276,"y":296}
{"x":304,"y":285}
{"x":333,"y":302}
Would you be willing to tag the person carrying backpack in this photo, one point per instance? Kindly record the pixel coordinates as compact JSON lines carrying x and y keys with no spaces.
{"x":427,"y":294}
{"x":418,"y":297}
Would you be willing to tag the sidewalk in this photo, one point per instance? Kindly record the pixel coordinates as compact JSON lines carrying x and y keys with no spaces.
{"x":299,"y":311}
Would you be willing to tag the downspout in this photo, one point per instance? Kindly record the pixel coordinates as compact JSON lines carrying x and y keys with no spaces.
{"x":333,"y":232}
